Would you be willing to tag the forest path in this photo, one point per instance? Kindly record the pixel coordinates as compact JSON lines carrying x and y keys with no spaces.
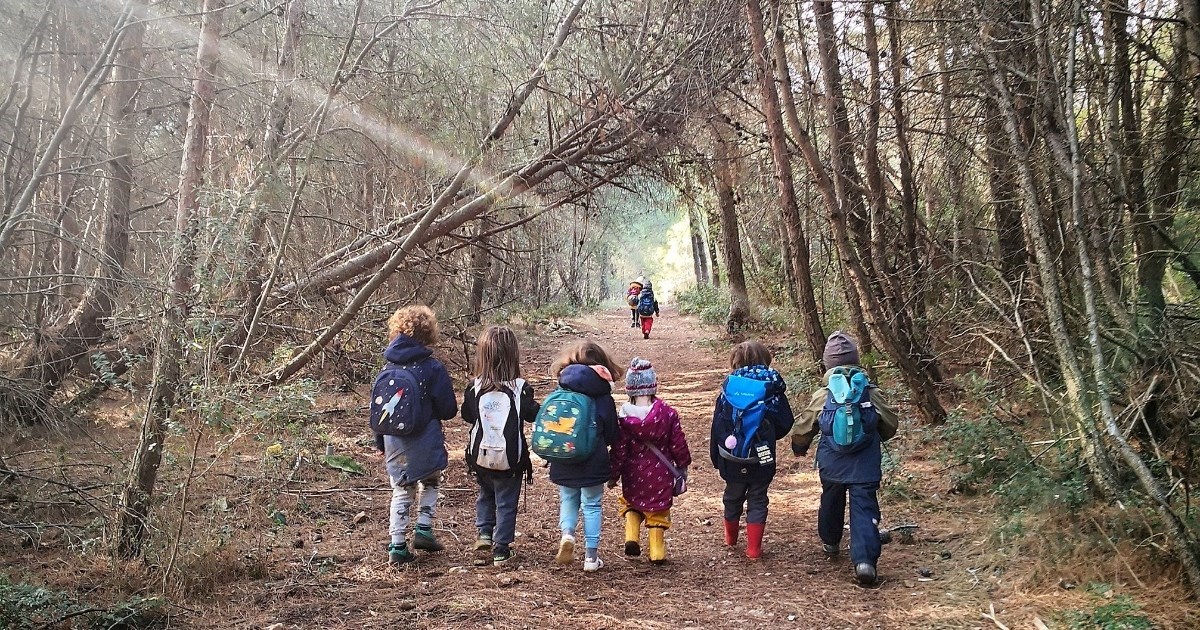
{"x":347,"y":584}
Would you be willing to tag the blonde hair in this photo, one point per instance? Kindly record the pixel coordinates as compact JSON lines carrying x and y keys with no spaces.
{"x":585,"y":352}
{"x":497,"y":357}
{"x":416,"y":321}
{"x":749,"y":353}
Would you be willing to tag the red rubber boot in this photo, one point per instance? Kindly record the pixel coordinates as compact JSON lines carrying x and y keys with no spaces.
{"x":754,"y":536}
{"x":731,"y":533}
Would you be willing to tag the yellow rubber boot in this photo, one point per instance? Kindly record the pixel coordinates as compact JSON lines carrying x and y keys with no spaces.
{"x":633,"y":531}
{"x":658,"y":545}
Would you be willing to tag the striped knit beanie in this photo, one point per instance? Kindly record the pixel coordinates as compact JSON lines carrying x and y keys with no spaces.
{"x":641,"y":380}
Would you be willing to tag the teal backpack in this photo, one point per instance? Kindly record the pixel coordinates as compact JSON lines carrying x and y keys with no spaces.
{"x":565,"y":428}
{"x":848,"y":418}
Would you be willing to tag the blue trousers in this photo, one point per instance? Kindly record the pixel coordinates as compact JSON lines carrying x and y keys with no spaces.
{"x":571,"y":501}
{"x":864,"y":518}
{"x":496,"y":507}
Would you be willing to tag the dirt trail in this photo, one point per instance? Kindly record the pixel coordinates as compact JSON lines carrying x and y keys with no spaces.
{"x":343,"y":580}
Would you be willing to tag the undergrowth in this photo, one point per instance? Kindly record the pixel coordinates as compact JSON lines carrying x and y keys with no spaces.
{"x":706,"y":302}
{"x":29,"y":607}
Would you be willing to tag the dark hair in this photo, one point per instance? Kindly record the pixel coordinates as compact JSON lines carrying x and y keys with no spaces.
{"x":749,"y":353}
{"x":585,"y":352}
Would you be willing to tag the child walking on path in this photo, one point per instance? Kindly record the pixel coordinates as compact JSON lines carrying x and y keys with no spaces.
{"x":631,"y":298}
{"x":411,"y":397}
{"x":752,"y":412}
{"x":497,"y":404}
{"x":849,"y":460}
{"x":585,"y":367}
{"x":647,"y":308}
{"x":650,"y":453}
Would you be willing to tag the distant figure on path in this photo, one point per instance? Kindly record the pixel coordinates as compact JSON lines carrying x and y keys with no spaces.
{"x":647,"y":308}
{"x":631,"y":298}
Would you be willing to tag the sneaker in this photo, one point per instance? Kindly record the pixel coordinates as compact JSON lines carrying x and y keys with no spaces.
{"x":398,"y":554}
{"x":566,"y":550}
{"x":885,"y":536}
{"x":632,"y":548}
{"x":830,"y":550}
{"x":865,"y":572}
{"x":502,"y":557}
{"x":483,"y":543}
{"x":423,"y":539}
{"x":593,"y":565}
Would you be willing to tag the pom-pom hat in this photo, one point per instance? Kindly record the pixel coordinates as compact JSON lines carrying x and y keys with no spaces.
{"x":641,"y":380}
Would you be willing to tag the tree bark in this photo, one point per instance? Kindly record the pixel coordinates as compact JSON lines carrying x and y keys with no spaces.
{"x":723,"y":181}
{"x":801,"y":266}
{"x":133,"y":508}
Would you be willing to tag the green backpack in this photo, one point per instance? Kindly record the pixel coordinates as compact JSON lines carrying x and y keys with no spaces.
{"x":565,"y":428}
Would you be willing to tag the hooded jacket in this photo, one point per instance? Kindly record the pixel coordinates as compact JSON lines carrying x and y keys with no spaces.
{"x":415,"y":457}
{"x":778,"y":416}
{"x":863,"y":466}
{"x":597,"y":469}
{"x":646,"y":482}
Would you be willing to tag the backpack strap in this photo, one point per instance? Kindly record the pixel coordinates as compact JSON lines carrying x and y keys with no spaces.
{"x":662,"y":458}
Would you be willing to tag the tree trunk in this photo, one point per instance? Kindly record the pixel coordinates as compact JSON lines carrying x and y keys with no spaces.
{"x":723,"y":180}
{"x":133,"y":509}
{"x":481,"y":261}
{"x":810,"y":318}
{"x":699,"y":252}
{"x":41,"y":368}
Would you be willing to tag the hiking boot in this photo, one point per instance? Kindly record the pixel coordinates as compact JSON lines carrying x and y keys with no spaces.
{"x":483,"y":543}
{"x":502,"y":556}
{"x":865,"y":572}
{"x":831,"y":551}
{"x":593,"y":564}
{"x":423,"y":539}
{"x":399,"y":553}
{"x":885,"y":536}
{"x":566,"y":550}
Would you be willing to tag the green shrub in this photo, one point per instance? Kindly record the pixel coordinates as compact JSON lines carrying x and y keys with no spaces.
{"x":705,"y":301}
{"x":28,"y":607}
{"x":1120,"y":613}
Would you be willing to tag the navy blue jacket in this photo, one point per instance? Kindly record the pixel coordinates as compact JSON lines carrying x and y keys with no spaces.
{"x":864,"y":466}
{"x":416,"y":457}
{"x":778,"y":415}
{"x":596,"y":469}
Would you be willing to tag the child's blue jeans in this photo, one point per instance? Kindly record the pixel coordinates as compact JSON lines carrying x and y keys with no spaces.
{"x":570,"y":501}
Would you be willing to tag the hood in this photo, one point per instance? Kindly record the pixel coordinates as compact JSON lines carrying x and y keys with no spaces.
{"x":775,"y":382}
{"x":405,"y":349}
{"x":644,"y":423}
{"x":585,"y":380}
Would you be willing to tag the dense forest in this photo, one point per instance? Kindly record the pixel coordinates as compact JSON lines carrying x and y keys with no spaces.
{"x":210,"y":207}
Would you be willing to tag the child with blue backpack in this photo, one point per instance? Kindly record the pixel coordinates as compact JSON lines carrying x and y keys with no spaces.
{"x":497,"y":404}
{"x":752,"y":412}
{"x":574,"y":429}
{"x":853,"y":418}
{"x":647,"y":308}
{"x":411,"y":397}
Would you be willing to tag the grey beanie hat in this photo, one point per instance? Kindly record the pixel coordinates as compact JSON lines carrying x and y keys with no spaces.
{"x":641,"y":380}
{"x":839,"y":350}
